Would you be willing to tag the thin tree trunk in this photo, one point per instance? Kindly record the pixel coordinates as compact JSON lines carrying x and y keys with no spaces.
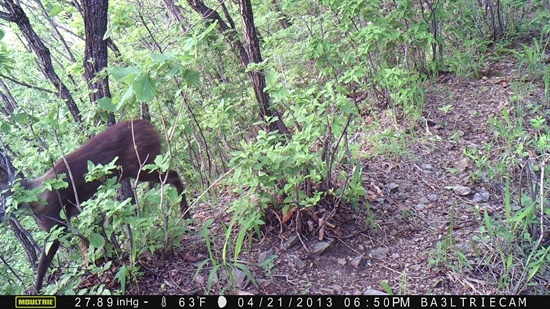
{"x":258,"y":76}
{"x":284,"y":22}
{"x":174,"y":10}
{"x":253,"y":55}
{"x":95,"y":51}
{"x":9,"y":101}
{"x":14,"y":13}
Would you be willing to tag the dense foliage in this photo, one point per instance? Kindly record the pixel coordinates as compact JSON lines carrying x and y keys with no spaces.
{"x":327,"y":66}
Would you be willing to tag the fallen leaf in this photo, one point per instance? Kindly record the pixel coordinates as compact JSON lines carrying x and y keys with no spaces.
{"x":288,"y":215}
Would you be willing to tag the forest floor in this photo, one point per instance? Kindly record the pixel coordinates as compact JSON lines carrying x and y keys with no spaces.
{"x":425,"y":211}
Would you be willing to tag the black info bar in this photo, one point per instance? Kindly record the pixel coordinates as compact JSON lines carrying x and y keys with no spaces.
{"x":274,"y":301}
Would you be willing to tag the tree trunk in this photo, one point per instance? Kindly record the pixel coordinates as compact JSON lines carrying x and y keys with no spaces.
{"x":95,"y":52}
{"x":14,"y":13}
{"x":258,"y":76}
{"x":253,"y":55}
{"x":284,"y":22}
{"x":174,"y":10}
{"x":9,"y":101}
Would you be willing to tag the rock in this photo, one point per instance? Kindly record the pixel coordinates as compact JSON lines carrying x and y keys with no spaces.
{"x":199,"y":279}
{"x":426,"y":166}
{"x":342,"y":261}
{"x":379,"y":253}
{"x":392,"y":186}
{"x":320,"y":247}
{"x":291,"y":241}
{"x":337,"y":289}
{"x":481,"y":196}
{"x":421,"y":206}
{"x":432,"y":197}
{"x":263,"y":256}
{"x":240,"y":277}
{"x":461,"y":190}
{"x":356,"y":262}
{"x":299,"y":264}
{"x":374,"y":292}
{"x":462,"y":164}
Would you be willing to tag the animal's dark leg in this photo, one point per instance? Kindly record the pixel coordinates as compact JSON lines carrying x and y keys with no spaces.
{"x":44,"y":264}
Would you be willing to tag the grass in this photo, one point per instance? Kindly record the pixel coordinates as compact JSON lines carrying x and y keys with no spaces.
{"x":507,"y":246}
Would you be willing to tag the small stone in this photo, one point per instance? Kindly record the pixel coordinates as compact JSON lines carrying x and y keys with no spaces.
{"x":481,"y":196}
{"x":336,"y":288}
{"x":341,"y":261}
{"x":477,"y":198}
{"x":462,"y":164}
{"x":240,"y":277}
{"x":374,"y":292}
{"x":356,"y":262}
{"x":392,"y":186}
{"x":291,"y":241}
{"x":426,"y":166}
{"x":320,"y":247}
{"x":485,"y":195}
{"x":432,"y":197}
{"x":263,"y":256}
{"x":461,"y":190}
{"x":299,"y":264}
{"x":420,"y":206}
{"x":379,"y":253}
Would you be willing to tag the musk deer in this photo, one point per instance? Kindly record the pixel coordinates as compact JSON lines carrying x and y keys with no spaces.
{"x":135,"y":143}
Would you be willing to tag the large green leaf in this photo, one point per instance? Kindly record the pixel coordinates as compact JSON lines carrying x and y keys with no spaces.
{"x":144,"y":87}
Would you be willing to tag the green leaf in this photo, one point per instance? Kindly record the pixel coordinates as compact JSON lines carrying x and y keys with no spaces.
{"x":4,"y":127}
{"x":108,"y":33}
{"x":21,"y":118}
{"x":55,"y":10}
{"x":127,"y":95}
{"x":124,"y":74}
{"x":121,"y":277}
{"x":106,"y":103}
{"x":190,"y":44}
{"x":97,"y":240}
{"x":386,"y":287}
{"x":192,"y":78}
{"x":144,"y":87}
{"x":271,"y":77}
{"x":90,"y":165}
{"x":159,"y":58}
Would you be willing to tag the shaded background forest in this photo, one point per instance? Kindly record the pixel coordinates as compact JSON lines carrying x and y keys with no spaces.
{"x":271,"y":111}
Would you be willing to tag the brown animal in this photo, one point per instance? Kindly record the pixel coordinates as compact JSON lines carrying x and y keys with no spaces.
{"x":135,"y":143}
